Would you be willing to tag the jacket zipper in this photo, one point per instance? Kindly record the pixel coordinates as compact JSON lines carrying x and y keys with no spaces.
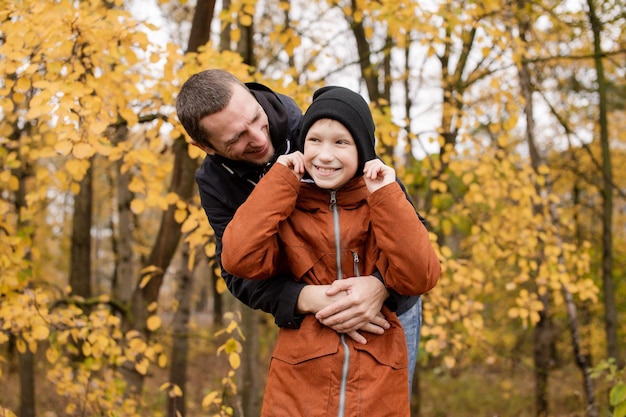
{"x":346,"y":350}
{"x":356,"y":260}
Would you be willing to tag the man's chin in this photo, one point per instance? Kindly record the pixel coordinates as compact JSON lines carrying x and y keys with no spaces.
{"x":261,"y":162}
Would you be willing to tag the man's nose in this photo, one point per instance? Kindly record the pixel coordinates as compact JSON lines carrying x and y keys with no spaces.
{"x":257,"y":137}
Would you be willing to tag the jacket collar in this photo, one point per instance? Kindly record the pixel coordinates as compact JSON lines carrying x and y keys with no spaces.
{"x":351,"y":195}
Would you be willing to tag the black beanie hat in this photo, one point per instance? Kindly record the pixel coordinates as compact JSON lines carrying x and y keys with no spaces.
{"x":349,"y":109}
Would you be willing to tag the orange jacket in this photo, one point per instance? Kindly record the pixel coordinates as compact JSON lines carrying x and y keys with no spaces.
{"x":287,"y":225}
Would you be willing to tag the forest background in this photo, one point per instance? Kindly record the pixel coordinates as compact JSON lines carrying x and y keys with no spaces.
{"x":506,"y":121}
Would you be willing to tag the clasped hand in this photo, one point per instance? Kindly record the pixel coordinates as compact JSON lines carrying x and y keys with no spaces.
{"x":350,"y":306}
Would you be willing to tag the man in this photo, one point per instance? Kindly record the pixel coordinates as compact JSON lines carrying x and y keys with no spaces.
{"x":243,"y":128}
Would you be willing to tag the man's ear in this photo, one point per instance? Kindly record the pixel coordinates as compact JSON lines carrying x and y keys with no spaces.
{"x":207,"y":149}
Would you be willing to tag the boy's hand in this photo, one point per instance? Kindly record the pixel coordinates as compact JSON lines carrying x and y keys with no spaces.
{"x":295,"y":161}
{"x":377,"y":174}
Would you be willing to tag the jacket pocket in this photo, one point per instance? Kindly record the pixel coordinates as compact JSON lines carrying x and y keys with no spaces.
{"x":387,"y":349}
{"x":312,"y":340}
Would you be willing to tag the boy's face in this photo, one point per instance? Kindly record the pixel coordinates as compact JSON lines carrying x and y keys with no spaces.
{"x":330,"y":154}
{"x":240,"y":132}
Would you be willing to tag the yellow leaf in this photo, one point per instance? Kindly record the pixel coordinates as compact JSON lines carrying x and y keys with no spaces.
{"x":23,"y":84}
{"x":83,"y":150}
{"x":38,"y":110}
{"x":52,"y":355}
{"x":129,"y":115}
{"x":98,"y":127}
{"x":220,"y":286}
{"x":431,"y":346}
{"x":210,"y":399}
{"x":153,"y":323}
{"x":195,"y":152}
{"x":209,"y":249}
{"x":189,"y":224}
{"x":70,"y":409}
{"x":144,"y":281}
{"x":175,"y":391}
{"x":234,"y":360}
{"x":4,"y":412}
{"x":142,"y":367}
{"x":467,"y":178}
{"x":137,"y":206}
{"x":180,"y":215}
{"x":86,"y":349}
{"x":20,"y":345}
{"x":171,"y":198}
{"x":446,"y":252}
{"x":7,"y":105}
{"x":41,"y":332}
{"x":449,"y":362}
{"x":235,"y":35}
{"x":162,"y":360}
{"x":245,"y":20}
{"x":150,"y":269}
{"x":76,"y":168}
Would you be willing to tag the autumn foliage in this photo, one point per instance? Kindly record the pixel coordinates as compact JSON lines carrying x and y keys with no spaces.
{"x":494,"y":115}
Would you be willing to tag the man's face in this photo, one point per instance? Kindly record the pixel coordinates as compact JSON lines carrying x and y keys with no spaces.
{"x":240,"y":132}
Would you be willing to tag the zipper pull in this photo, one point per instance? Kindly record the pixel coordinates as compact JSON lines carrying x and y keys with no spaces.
{"x":333,"y":200}
{"x":355,"y":258}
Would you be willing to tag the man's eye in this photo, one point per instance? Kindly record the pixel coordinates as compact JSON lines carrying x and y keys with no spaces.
{"x":231,"y":143}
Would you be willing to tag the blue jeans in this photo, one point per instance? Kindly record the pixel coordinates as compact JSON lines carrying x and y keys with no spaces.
{"x":412,"y":323}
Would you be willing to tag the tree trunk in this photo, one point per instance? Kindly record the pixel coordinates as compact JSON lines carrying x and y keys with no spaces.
{"x":543,"y":344}
{"x":610,"y":312}
{"x":164,"y":248}
{"x":245,"y":46}
{"x":123,"y":276}
{"x":369,"y":72}
{"x":180,"y":343}
{"x":543,"y":333}
{"x":27,"y":384}
{"x":250,"y":383}
{"x":581,"y":359}
{"x":416,"y":395}
{"x":80,"y":264}
{"x":182,"y":184}
{"x":26,"y":360}
{"x":225,"y":34}
{"x":201,"y":26}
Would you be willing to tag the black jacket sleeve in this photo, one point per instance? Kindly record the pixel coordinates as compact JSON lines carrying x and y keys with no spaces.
{"x":221,"y":195}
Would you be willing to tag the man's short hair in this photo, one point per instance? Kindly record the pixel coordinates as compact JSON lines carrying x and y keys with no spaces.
{"x":203,"y":94}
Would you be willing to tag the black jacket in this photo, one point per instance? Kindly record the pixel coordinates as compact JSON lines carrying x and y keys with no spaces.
{"x":224,"y":185}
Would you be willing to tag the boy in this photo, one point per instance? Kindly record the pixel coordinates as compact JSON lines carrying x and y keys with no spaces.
{"x":333,"y":204}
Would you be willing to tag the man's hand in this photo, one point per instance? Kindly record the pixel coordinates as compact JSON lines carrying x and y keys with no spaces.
{"x":359,"y":308}
{"x":348,"y":306}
